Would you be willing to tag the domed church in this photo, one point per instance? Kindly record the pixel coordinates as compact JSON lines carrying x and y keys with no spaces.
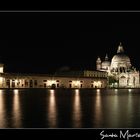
{"x":120,"y":71}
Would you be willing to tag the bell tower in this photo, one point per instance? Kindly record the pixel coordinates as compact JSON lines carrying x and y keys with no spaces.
{"x":1,"y":68}
{"x":98,"y":63}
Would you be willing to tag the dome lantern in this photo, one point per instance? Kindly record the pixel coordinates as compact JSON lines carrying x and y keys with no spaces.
{"x":106,"y":57}
{"x":120,"y":48}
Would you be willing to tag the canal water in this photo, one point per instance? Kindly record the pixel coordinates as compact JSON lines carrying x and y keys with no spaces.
{"x":70,"y":108}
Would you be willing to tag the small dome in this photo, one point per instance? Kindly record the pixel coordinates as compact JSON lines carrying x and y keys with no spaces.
{"x":105,"y":64}
{"x":98,"y":60}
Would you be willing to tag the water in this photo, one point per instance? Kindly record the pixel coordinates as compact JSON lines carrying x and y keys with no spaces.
{"x":69,"y":108}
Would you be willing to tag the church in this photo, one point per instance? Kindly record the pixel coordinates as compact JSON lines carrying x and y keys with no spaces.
{"x":120,"y":71}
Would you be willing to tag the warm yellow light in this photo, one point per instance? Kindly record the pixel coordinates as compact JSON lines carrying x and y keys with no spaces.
{"x":129,"y":90}
{"x":98,"y":90}
{"x":77,"y":91}
{"x":97,"y":84}
{"x":15,"y":91}
{"x":50,"y":82}
{"x":1,"y":79}
{"x":76,"y":114}
{"x":1,"y":91}
{"x":130,"y":84}
{"x":1,"y":70}
{"x":52,"y":109}
{"x":2,"y":110}
{"x":116,"y":90}
{"x":76,"y":83}
{"x":52,"y":91}
{"x":16,"y":110}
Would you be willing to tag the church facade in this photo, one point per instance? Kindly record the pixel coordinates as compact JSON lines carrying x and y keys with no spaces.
{"x":120,"y":71}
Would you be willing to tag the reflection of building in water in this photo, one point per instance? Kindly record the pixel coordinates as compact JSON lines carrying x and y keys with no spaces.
{"x":77,"y":114}
{"x":120,"y":71}
{"x":115,"y":109}
{"x":52,"y":111}
{"x":2,"y":110}
{"x":130,"y":108}
{"x":16,"y":110}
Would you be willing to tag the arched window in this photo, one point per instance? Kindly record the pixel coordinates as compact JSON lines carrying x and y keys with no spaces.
{"x":122,"y":77}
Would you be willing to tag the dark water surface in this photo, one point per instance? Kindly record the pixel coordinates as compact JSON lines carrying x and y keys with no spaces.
{"x":45,"y":108}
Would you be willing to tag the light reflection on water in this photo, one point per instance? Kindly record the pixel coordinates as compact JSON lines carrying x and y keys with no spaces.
{"x":104,"y":108}
{"x":2,"y":110}
{"x":52,"y":113}
{"x":98,"y":108}
{"x":113,"y":110}
{"x":129,"y":108}
{"x":16,"y":109}
{"x":116,"y":91}
{"x":129,"y":90}
{"x":76,"y":109}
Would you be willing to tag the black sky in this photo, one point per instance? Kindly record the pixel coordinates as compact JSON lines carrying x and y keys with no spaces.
{"x":44,"y":42}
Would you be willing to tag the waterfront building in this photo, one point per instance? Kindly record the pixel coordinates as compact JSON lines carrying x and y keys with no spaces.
{"x":70,"y":79}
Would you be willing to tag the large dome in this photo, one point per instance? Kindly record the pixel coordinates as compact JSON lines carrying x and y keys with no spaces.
{"x":120,"y":59}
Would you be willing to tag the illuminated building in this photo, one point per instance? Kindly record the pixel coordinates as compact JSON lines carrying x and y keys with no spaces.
{"x":120,"y":71}
{"x":72,"y":79}
{"x":117,"y":73}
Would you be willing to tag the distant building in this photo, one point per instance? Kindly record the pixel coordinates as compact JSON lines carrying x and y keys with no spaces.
{"x":120,"y":71}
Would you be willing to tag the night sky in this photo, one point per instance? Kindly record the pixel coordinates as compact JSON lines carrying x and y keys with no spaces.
{"x":46,"y":42}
